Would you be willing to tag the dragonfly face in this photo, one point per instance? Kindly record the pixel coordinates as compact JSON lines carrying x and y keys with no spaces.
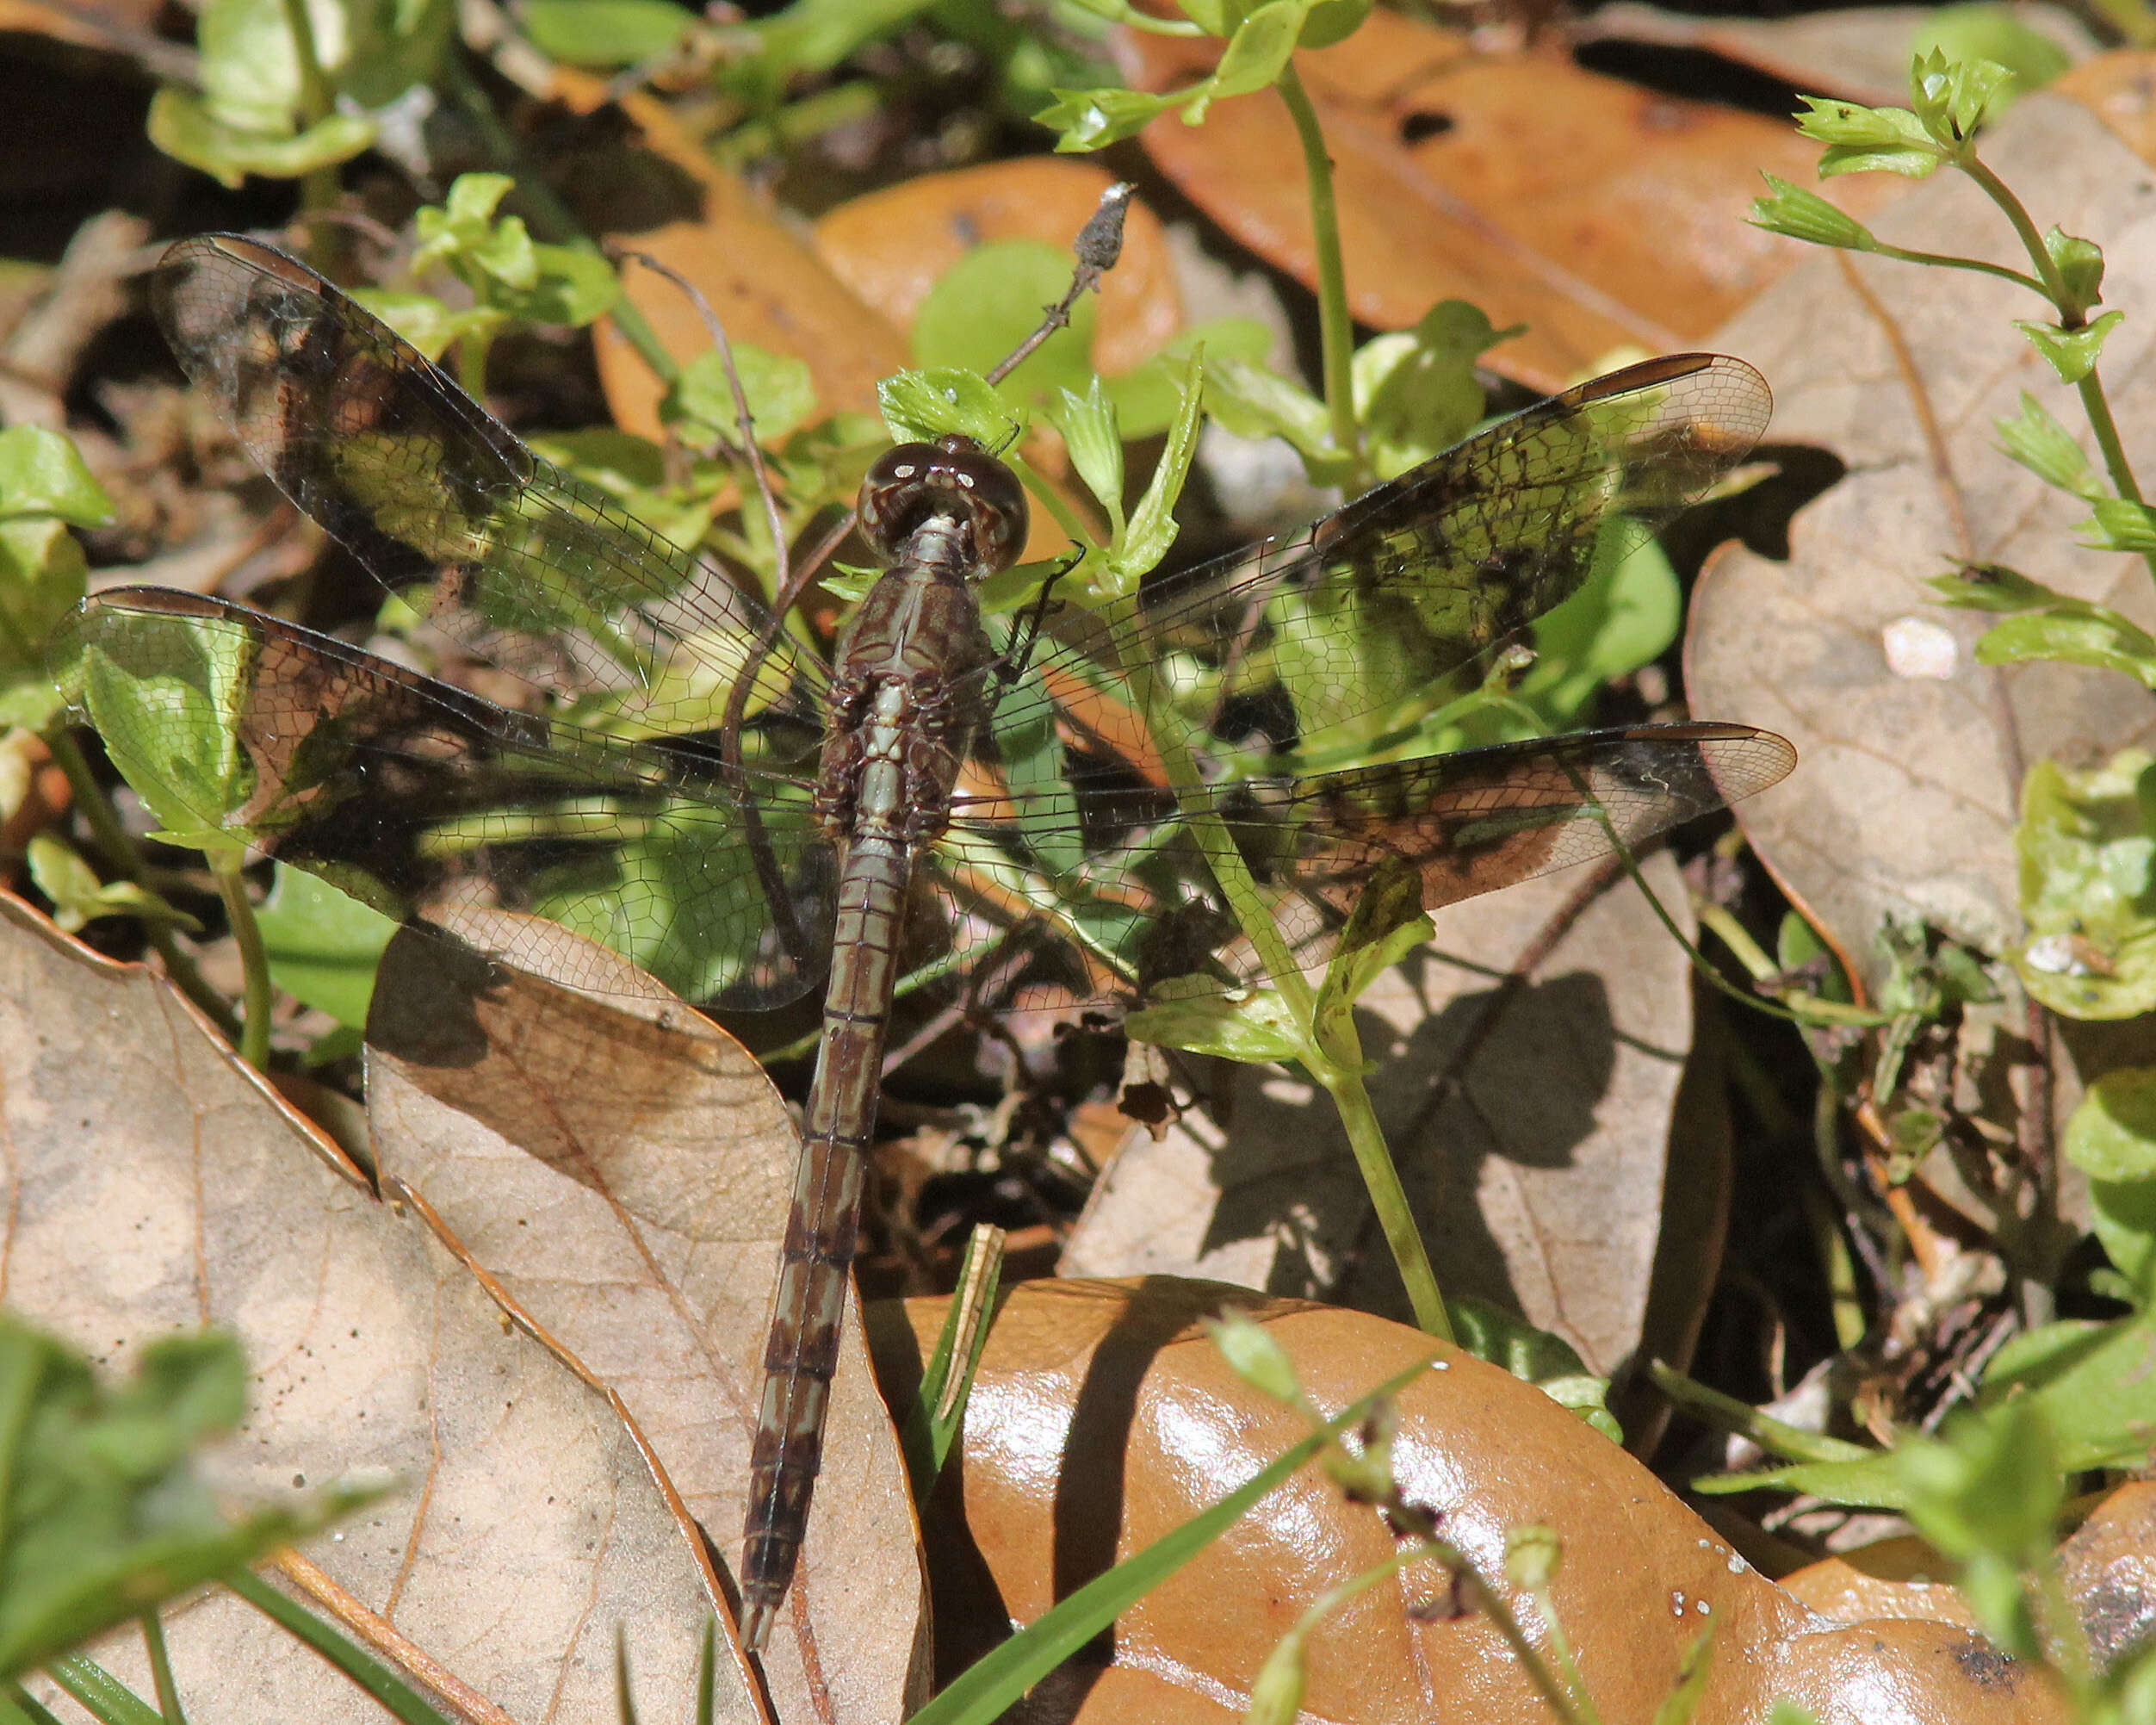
{"x":655,"y":764}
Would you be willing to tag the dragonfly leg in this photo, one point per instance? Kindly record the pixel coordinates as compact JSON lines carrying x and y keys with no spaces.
{"x":1013,"y":664}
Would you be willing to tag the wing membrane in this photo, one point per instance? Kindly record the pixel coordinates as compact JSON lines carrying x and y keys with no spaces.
{"x":412,"y":795}
{"x":1145,"y":909}
{"x":530,"y":570}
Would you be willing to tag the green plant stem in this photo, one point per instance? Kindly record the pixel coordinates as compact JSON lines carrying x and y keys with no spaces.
{"x":2072,"y":316}
{"x":124,"y":857}
{"x":1554,"y":1693}
{"x":254,"y":1031}
{"x":1340,"y":1074}
{"x":161,"y":1670}
{"x":318,"y":186}
{"x":1727,"y":1413}
{"x":1568,"y":1668}
{"x":1336,"y":324}
{"x":1942,"y":260}
{"x":26,"y":1706}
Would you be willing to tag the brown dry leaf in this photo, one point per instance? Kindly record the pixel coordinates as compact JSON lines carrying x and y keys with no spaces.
{"x":767,"y":285}
{"x":155,"y":1184}
{"x":1601,"y":215}
{"x":891,"y":247}
{"x":1859,"y":53}
{"x":1539,"y":1174}
{"x":1102,"y":1417}
{"x":1909,"y":753}
{"x":623,"y":1169}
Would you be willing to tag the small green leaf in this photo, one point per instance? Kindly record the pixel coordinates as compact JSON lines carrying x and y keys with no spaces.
{"x":42,"y":473}
{"x":2117,"y":523}
{"x":919,"y":406}
{"x":1087,"y":423}
{"x":780,"y":388}
{"x":1250,"y":1025}
{"x":2080,"y":262}
{"x":1800,"y":215}
{"x":1953,"y":99}
{"x":1333,"y":20}
{"x":1860,"y":139}
{"x":105,"y":1516}
{"x":1276,"y":1693}
{"x":1387,"y":923}
{"x":1255,"y":402}
{"x":425,"y":322}
{"x":1416,"y":391}
{"x":2088,"y":887}
{"x":1994,"y":586}
{"x":2103,"y":642}
{"x":1148,"y":396}
{"x":1255,"y":54}
{"x":1093,"y":118}
{"x":2071,"y":353}
{"x":605,"y":32}
{"x":1152,"y":527}
{"x":2036,"y":439}
{"x":2112,"y":1140}
{"x":1535,"y":1357}
{"x":1255,"y":1357}
{"x":467,"y":214}
{"x":1788,"y":1712}
{"x":323,"y":945}
{"x":570,"y":287}
{"x":79,"y":898}
{"x":1985,"y":31}
{"x":181,"y":126}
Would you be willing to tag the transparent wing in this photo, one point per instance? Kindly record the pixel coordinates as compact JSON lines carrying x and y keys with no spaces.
{"x":1144,"y":906}
{"x":527,"y":568}
{"x":412,"y":795}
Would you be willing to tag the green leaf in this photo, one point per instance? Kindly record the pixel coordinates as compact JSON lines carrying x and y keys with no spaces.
{"x":570,"y":287}
{"x":323,"y":945}
{"x":1535,"y":1357}
{"x":2088,"y":887}
{"x":1800,"y":215}
{"x":1387,"y":923}
{"x":105,"y":1518}
{"x":1994,"y":586}
{"x":1252,"y":401}
{"x":42,"y":473}
{"x":79,"y":898}
{"x":2112,"y":1140}
{"x":989,"y":301}
{"x":1093,"y":118}
{"x":1953,"y":99}
{"x":427,"y":322}
{"x":1333,"y":20}
{"x":2104,"y":643}
{"x":1152,"y":527}
{"x":1626,"y":614}
{"x":1861,"y":140}
{"x":1254,"y":1356}
{"x":42,"y":579}
{"x":1255,"y":54}
{"x":1248,"y":1025}
{"x":605,"y":32}
{"x":2080,"y":262}
{"x":919,"y":406}
{"x":2071,"y":353}
{"x":2118,"y":523}
{"x":2036,"y":439}
{"x":181,"y":126}
{"x":1088,"y":425}
{"x":780,"y":388}
{"x":1416,"y":391}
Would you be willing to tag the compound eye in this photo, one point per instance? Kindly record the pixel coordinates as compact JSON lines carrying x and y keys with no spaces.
{"x":956,"y":479}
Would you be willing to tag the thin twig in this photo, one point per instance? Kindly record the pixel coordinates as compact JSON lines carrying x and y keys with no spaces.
{"x":1099,"y":244}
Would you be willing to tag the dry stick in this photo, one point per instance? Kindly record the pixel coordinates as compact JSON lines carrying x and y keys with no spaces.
{"x":791,"y":936}
{"x":1099,"y":244}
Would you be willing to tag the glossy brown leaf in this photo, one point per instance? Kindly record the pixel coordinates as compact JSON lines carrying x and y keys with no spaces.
{"x":1102,"y":1416}
{"x":1602,"y":214}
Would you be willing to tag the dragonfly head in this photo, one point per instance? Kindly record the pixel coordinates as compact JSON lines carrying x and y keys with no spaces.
{"x":954,"y":479}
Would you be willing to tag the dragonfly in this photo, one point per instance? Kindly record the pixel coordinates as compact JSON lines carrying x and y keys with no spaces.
{"x":625,"y":741}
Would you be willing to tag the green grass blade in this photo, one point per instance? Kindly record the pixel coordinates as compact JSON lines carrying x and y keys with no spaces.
{"x":393,"y":1694}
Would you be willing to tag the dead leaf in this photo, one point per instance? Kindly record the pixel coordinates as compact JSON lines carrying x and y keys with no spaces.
{"x":1532,"y":1130}
{"x":1907,"y":789}
{"x":625,"y":1168}
{"x":1859,"y":53}
{"x":1102,"y":1416}
{"x":1600,"y":213}
{"x":767,"y":285}
{"x":891,"y":247}
{"x":154,"y":1184}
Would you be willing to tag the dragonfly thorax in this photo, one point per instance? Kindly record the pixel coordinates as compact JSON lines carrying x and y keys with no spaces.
{"x":955,"y":484}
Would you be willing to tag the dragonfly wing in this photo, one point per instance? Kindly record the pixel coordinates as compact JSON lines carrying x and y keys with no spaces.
{"x":410,"y":794}
{"x":1346,"y":632}
{"x":530,"y":570}
{"x":1145,"y":907}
